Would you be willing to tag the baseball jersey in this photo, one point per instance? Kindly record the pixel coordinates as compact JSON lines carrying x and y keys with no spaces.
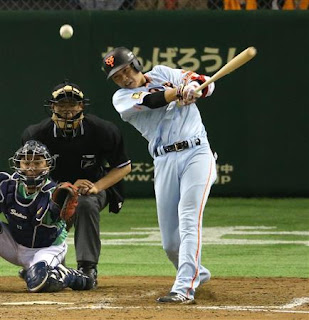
{"x":165,"y":125}
{"x":83,"y":156}
{"x":33,"y":220}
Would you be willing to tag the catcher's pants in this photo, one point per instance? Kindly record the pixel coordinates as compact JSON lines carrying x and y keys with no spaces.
{"x":87,"y":226}
{"x":19,"y":255}
{"x":182,"y":185}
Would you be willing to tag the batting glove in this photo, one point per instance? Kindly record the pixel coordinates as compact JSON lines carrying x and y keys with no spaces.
{"x":187,"y":94}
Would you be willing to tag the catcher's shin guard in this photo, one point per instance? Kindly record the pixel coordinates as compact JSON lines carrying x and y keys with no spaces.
{"x":42,"y":278}
{"x":36,"y":277}
{"x":75,"y":279}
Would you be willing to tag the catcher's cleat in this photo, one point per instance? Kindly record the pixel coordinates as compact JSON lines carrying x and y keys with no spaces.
{"x":174,"y":297}
{"x":75,"y":279}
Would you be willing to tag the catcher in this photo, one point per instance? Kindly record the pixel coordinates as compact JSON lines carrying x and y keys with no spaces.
{"x":36,"y":211}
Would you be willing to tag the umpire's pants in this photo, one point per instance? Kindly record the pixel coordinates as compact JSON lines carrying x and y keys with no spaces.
{"x":87,"y":226}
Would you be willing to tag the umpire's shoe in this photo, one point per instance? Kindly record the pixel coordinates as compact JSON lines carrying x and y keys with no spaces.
{"x":89,"y":269}
{"x":174,"y":297}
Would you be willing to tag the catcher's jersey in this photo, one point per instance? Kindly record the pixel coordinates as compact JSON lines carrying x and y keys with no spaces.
{"x":33,"y":220}
{"x":165,"y":125}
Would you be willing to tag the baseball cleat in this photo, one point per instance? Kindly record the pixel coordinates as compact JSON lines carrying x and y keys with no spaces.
{"x":174,"y":297}
{"x":92,"y":273}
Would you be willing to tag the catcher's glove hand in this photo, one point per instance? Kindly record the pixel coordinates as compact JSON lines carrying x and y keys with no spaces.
{"x":66,"y":197}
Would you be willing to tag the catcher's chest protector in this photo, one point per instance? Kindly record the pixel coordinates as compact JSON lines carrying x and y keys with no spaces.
{"x":24,"y":214}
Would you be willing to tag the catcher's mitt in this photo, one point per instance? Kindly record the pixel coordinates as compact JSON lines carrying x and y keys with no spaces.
{"x":66,"y":197}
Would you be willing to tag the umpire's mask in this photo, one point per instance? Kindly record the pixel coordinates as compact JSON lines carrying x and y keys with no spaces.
{"x":67,"y":105}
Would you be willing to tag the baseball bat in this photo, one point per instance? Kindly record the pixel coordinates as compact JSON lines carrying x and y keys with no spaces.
{"x":232,"y":65}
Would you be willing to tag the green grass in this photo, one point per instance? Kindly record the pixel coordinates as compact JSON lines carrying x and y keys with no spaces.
{"x":138,"y":236}
{"x":255,"y":260}
{"x":258,"y":261}
{"x":284,"y":237}
{"x":285,"y":214}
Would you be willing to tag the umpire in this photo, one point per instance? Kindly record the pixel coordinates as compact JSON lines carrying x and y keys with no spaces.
{"x":83,"y":144}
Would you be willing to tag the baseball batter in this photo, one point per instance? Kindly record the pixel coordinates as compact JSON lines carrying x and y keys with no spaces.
{"x":161,"y":106}
{"x":34,"y":235}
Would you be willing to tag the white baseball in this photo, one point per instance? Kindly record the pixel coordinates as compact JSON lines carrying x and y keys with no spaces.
{"x":66,"y":31}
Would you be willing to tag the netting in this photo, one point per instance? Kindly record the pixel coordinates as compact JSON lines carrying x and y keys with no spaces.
{"x":153,"y":4}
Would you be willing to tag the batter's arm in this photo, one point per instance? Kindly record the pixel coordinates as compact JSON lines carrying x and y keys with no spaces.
{"x":171,"y":95}
{"x":185,"y":93}
{"x":160,"y":98}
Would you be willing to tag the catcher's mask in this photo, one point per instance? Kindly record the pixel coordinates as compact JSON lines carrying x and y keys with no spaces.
{"x":119,"y":58}
{"x":67,"y":105}
{"x":32,"y":163}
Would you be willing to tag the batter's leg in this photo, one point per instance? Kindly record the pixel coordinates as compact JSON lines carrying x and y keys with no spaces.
{"x":167,"y":198}
{"x":205,"y":275}
{"x":198,"y":176}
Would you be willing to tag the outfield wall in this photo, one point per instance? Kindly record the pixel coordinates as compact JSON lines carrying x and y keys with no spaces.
{"x":257,"y":119}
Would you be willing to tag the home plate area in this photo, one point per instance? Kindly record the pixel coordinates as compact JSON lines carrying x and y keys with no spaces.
{"x":135,"y":298}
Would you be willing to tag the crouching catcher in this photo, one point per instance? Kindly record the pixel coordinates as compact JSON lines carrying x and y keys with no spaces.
{"x":36,"y":211}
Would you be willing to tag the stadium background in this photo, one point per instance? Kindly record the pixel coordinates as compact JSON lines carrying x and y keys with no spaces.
{"x":257,"y":119}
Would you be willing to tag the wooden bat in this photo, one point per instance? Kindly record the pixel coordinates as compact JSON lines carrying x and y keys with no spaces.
{"x":232,"y":65}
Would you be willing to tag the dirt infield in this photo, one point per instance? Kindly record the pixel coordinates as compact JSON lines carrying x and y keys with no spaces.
{"x":134,"y":298}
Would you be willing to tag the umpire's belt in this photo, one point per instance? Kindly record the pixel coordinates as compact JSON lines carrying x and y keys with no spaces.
{"x":177,"y":146}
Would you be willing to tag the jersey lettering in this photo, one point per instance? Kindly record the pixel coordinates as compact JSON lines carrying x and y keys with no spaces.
{"x":17,"y":214}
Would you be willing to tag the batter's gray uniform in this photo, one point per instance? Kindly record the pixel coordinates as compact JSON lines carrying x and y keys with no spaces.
{"x":182,"y":179}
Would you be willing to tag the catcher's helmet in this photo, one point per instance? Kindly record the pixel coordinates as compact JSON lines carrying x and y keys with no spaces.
{"x":30,"y":152}
{"x":119,"y":58}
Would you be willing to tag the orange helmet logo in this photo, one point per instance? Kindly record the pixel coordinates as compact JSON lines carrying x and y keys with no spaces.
{"x":110,"y":61}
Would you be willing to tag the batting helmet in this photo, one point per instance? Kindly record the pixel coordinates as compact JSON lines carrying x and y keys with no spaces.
{"x":28,"y":153}
{"x":119,"y":58}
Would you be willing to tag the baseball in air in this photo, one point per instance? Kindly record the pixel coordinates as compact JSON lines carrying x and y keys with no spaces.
{"x":66,"y":31}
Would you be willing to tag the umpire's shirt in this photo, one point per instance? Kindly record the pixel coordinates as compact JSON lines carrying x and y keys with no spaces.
{"x":82,"y":156}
